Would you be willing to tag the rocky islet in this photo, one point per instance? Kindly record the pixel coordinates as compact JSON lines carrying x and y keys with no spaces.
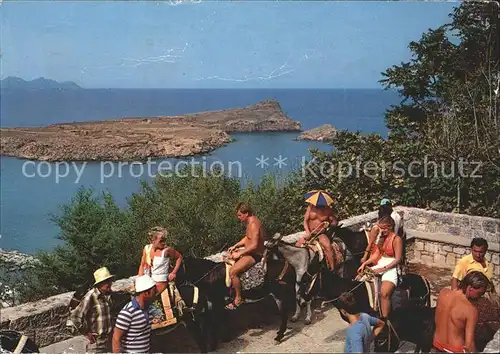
{"x":140,"y":138}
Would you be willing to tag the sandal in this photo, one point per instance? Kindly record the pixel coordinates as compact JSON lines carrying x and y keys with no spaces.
{"x":233,"y":306}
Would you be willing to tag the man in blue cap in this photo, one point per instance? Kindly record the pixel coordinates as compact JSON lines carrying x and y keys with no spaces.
{"x":386,"y":209}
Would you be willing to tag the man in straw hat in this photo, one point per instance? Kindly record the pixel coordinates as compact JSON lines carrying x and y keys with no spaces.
{"x":92,"y":317}
{"x":133,"y":326}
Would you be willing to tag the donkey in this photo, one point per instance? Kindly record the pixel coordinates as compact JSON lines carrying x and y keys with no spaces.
{"x":351,"y":243}
{"x":16,"y":342}
{"x":210,"y":277}
{"x":411,"y":298}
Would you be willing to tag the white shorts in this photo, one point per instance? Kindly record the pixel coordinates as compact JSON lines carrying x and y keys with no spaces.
{"x":159,"y":278}
{"x":389,"y":275}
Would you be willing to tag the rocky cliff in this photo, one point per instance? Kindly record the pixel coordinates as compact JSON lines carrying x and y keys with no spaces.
{"x":143,"y":137}
{"x":12,"y":263}
{"x":325,"y":133}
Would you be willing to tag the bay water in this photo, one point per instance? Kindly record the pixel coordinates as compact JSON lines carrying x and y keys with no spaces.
{"x":31,"y":191}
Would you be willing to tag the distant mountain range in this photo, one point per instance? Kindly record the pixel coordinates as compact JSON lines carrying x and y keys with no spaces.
{"x":16,"y":83}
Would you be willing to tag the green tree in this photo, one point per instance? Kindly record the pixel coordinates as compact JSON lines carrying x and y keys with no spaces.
{"x":449,"y":111}
{"x":95,"y":233}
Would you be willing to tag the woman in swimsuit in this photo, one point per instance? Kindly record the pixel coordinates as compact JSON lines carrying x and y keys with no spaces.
{"x":385,"y":260}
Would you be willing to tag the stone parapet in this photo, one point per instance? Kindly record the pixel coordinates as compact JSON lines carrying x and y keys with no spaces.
{"x":459,"y":225}
{"x":44,"y":321}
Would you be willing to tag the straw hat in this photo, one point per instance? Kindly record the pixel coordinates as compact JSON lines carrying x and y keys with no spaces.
{"x":101,"y":275}
{"x":143,"y":283}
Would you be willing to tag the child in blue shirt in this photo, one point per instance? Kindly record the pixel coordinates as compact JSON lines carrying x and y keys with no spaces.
{"x":359,"y":333}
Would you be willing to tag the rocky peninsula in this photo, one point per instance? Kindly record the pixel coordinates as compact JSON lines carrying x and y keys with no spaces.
{"x":140,"y":138}
{"x":325,"y":133}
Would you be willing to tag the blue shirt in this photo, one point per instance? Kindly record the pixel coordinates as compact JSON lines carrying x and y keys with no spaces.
{"x":358,"y":335}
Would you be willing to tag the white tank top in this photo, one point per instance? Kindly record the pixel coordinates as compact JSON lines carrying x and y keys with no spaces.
{"x":160,"y":266}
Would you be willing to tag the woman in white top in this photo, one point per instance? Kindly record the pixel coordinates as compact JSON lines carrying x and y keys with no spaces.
{"x":156,"y":259}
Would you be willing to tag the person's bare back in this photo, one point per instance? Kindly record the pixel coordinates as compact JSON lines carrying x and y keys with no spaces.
{"x":456,"y":319}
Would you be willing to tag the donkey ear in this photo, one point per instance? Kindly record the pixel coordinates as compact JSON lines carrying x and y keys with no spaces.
{"x":277,"y":236}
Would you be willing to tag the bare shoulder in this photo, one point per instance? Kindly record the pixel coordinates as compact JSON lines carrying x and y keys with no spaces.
{"x":253,"y":225}
{"x":470,"y":310}
{"x":444,"y":292}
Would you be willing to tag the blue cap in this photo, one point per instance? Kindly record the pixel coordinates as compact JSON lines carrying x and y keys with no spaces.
{"x":385,"y":201}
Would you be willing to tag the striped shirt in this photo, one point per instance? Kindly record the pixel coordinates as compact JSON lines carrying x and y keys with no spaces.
{"x":136,"y":322}
{"x":93,"y":315}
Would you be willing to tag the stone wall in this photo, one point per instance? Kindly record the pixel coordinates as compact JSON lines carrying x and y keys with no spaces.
{"x":441,"y":239}
{"x":434,"y":239}
{"x":44,"y":321}
{"x":458,"y":225}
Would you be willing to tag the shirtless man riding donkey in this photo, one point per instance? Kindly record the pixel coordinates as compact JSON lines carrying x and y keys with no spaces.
{"x":251,"y":253}
{"x":318,"y":212}
{"x":456,"y":315}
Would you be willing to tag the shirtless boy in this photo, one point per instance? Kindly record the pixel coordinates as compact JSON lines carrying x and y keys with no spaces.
{"x":456,"y":316}
{"x":252,"y":252}
{"x":314,"y":217}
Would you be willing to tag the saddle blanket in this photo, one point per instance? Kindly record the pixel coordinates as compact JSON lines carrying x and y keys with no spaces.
{"x":372,"y":288}
{"x":163,"y":312}
{"x":339,"y":250}
{"x":251,"y":278}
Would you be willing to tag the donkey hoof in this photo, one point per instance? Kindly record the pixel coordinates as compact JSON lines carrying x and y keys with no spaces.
{"x":294,"y":318}
{"x":307,"y":321}
{"x":278,"y":339}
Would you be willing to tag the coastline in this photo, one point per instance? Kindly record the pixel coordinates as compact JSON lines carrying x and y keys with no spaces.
{"x":140,"y":138}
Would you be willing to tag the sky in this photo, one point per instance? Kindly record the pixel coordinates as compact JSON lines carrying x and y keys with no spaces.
{"x":212,"y":44}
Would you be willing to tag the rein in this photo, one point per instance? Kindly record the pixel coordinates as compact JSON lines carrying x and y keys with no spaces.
{"x":338,"y":297}
{"x":316,"y":232}
{"x":392,"y":329}
{"x":208,"y":273}
{"x":367,"y":271}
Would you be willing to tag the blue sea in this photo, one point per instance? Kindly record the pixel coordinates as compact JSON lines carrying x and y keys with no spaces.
{"x":32,"y":191}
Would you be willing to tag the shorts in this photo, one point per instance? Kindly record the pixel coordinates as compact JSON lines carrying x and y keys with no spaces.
{"x":256,"y":257}
{"x":440,"y":348}
{"x":389,"y":275}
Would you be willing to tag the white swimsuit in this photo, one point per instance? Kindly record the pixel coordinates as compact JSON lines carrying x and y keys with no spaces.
{"x":160,"y":266}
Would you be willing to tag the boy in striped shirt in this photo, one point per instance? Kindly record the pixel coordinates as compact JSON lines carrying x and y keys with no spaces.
{"x":132,"y":332}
